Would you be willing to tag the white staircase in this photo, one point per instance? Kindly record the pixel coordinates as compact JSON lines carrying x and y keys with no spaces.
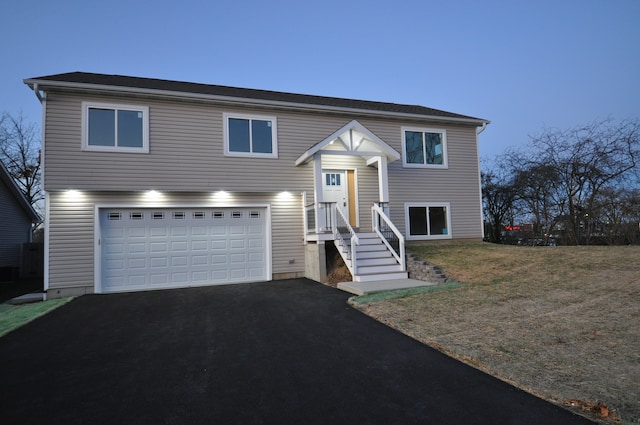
{"x":374,"y":260}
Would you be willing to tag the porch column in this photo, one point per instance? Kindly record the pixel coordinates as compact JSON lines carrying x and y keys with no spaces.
{"x":383,"y":179}
{"x":317,"y":178}
{"x":321,"y":220}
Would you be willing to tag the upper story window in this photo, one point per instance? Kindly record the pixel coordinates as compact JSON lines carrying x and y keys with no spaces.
{"x":115,"y":128}
{"x":424,"y":147}
{"x":250,"y":135}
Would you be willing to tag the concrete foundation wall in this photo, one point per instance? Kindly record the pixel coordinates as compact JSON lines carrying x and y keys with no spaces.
{"x":315,"y":261}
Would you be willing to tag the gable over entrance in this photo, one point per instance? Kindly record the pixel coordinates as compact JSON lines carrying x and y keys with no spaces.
{"x":351,"y":139}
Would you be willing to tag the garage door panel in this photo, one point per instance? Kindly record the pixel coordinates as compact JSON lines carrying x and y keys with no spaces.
{"x":199,"y":260}
{"x":219,"y":259}
{"x":181,"y":278}
{"x":116,"y":265}
{"x":114,"y":248}
{"x":137,"y":280}
{"x":136,"y":232}
{"x":238,"y":258}
{"x":200,"y":277}
{"x":238,"y":274}
{"x":237,"y":244}
{"x":158,"y":247}
{"x":160,"y":232}
{"x":256,"y":230}
{"x":199,"y":231}
{"x":164,"y":248}
{"x":237,"y":230}
{"x":177,"y":261}
{"x":178,"y":231}
{"x":136,"y":247}
{"x":137,"y":263}
{"x":218,"y":245}
{"x":255,"y":257}
{"x":256,"y":243}
{"x":159,"y":279}
{"x":179,"y":246}
{"x":199,"y":245}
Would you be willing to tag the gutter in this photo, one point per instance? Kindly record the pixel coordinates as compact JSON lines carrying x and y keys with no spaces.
{"x":244,"y":101}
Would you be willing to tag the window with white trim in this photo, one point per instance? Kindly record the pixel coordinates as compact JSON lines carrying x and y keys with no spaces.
{"x":425,"y":221}
{"x":115,"y":128}
{"x":250,"y":135}
{"x":424,"y":147}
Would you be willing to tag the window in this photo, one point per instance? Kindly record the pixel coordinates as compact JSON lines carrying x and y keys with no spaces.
{"x":423,"y":147}
{"x":427,"y":221}
{"x":250,"y":135}
{"x":108,"y":127}
{"x":332,"y":179}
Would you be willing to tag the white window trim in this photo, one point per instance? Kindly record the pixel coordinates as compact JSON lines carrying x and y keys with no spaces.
{"x":115,"y":106}
{"x":274,"y":135}
{"x":445,"y":161}
{"x":410,"y":237}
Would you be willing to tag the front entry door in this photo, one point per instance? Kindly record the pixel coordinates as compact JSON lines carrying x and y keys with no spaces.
{"x":335,"y":188}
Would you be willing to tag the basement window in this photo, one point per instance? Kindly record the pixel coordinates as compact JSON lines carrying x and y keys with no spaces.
{"x":426,"y":221}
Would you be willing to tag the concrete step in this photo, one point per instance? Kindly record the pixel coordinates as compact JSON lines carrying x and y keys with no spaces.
{"x":380,"y":276}
{"x":371,"y":287}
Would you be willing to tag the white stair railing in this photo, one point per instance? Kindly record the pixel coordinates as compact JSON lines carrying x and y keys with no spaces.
{"x":350,"y":249}
{"x":385,"y":229}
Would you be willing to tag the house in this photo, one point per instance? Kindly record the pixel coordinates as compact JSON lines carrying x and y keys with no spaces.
{"x":17,"y":218}
{"x":158,"y":184}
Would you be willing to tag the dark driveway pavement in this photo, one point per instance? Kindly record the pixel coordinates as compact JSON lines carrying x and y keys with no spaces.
{"x":283,"y":352}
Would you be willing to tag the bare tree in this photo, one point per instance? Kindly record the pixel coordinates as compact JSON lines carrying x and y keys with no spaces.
{"x":20,"y":153}
{"x":537,"y":189}
{"x":584,"y":161}
{"x":498,"y":197}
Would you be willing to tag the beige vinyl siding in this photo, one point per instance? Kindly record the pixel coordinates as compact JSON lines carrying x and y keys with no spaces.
{"x":186,"y":151}
{"x":187,"y":155}
{"x":71,"y":229}
{"x":457,"y":185}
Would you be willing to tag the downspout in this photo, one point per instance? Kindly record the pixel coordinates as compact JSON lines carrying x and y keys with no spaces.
{"x":478,"y":131}
{"x":36,"y":90}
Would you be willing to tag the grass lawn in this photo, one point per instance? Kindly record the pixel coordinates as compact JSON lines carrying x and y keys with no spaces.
{"x":560,"y":322}
{"x":14,"y":316}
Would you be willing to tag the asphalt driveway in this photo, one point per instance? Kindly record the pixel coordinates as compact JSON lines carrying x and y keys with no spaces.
{"x":282,"y":352}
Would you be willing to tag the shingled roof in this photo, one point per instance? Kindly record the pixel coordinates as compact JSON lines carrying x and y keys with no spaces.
{"x":152,"y":84}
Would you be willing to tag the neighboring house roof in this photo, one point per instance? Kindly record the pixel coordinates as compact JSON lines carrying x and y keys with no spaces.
{"x":90,"y":81}
{"x":17,"y":194}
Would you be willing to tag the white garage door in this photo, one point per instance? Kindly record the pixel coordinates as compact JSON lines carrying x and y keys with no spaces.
{"x":145,"y":249}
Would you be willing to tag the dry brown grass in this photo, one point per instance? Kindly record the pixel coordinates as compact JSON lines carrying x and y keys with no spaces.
{"x":561,"y":322}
